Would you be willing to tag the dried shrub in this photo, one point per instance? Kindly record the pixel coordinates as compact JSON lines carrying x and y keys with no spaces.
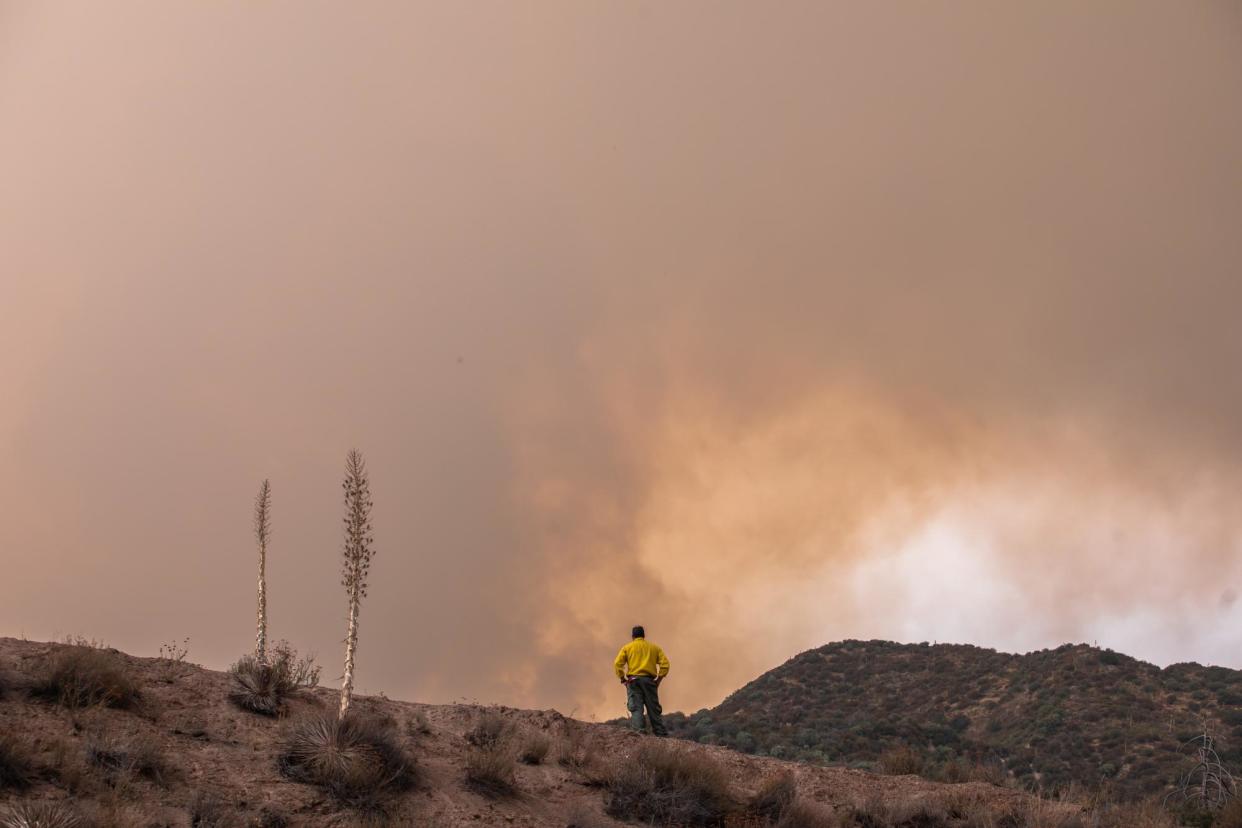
{"x":489,"y":730}
{"x":354,"y":758}
{"x":879,"y":812}
{"x":208,"y":810}
{"x":775,"y":796}
{"x":535,"y":748}
{"x":417,"y":724}
{"x":582,"y":815}
{"x":78,"y":677}
{"x":573,"y":746}
{"x":68,"y":767}
{"x":41,"y":815}
{"x":264,"y":687}
{"x":902,"y":760}
{"x":138,"y":756}
{"x":16,"y":764}
{"x":803,"y":814}
{"x":668,"y":784}
{"x":491,"y":769}
{"x":269,"y":818}
{"x":1230,"y":816}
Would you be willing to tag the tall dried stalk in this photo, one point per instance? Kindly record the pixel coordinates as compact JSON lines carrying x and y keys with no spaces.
{"x":262,"y":531}
{"x":358,"y":551}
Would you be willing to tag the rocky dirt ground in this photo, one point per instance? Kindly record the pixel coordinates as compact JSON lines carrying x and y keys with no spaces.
{"x":210,"y":763}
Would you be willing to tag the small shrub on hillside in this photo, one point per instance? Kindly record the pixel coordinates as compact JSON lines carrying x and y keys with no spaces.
{"x":208,"y":810}
{"x":491,"y":769}
{"x":417,"y":724}
{"x":16,"y":764}
{"x":535,"y":748}
{"x":665,"y":784}
{"x":775,"y":796}
{"x":490,"y":729}
{"x":79,"y":677}
{"x":1230,"y":816}
{"x":573,"y":748}
{"x":354,"y":758}
{"x":41,"y":815}
{"x":263,"y":687}
{"x":803,"y":814}
{"x":139,"y":756}
{"x":582,"y":815}
{"x":901,"y":760}
{"x":887,"y":813}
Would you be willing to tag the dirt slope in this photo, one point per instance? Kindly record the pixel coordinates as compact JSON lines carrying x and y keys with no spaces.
{"x":209,"y":753}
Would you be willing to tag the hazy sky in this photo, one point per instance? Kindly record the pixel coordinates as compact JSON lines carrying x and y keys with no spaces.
{"x":765,"y":325}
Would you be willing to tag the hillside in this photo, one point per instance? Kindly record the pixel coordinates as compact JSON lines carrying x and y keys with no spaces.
{"x":177,"y":752}
{"x":1075,"y":714}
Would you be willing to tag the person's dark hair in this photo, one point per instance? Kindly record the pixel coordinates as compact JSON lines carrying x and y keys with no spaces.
{"x":638,"y":632}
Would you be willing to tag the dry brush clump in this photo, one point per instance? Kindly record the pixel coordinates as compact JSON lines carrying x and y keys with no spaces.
{"x":353,"y":758}
{"x":778,"y":803}
{"x":668,"y":784}
{"x":264,"y":686}
{"x":137,"y":756}
{"x":902,"y":760}
{"x":17,"y":767}
{"x":491,"y":761}
{"x":41,"y":815}
{"x":534,"y":748}
{"x":582,"y":815}
{"x":79,"y":676}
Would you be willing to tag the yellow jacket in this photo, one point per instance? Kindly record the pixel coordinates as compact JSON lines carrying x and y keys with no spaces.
{"x":641,"y":658}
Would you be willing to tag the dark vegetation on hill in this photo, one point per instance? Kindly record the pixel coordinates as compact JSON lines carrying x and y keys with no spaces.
{"x":1045,"y":720}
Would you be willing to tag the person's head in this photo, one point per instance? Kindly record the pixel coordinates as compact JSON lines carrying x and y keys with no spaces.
{"x":637,"y":632}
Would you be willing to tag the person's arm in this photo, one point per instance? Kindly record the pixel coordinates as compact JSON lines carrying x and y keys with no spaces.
{"x":623,"y":659}
{"x":661,"y":666}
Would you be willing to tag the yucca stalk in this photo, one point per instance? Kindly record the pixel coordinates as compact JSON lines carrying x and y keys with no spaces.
{"x":262,"y":531}
{"x":358,"y":551}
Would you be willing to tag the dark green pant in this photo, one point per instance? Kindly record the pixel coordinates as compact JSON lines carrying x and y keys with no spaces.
{"x":642,"y":692}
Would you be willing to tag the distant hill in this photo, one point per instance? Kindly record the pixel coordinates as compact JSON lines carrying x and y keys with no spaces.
{"x":1075,"y":714}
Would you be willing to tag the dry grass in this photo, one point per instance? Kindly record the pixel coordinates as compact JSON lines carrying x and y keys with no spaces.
{"x":492,"y":770}
{"x":901,"y":761}
{"x":775,"y":796}
{"x":489,"y":730}
{"x":802,"y":814}
{"x":354,"y":759}
{"x":417,"y":725}
{"x":879,"y":812}
{"x":492,"y":757}
{"x":669,"y":784}
{"x":535,"y":748}
{"x":263,"y":688}
{"x":137,"y":756}
{"x":207,"y":810}
{"x":16,"y":764}
{"x":41,"y":815}
{"x":777,"y":803}
{"x":583,"y":815}
{"x":78,"y":677}
{"x":572,"y":747}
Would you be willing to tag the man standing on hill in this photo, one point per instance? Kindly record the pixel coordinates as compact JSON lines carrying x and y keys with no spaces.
{"x":641,"y":666}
